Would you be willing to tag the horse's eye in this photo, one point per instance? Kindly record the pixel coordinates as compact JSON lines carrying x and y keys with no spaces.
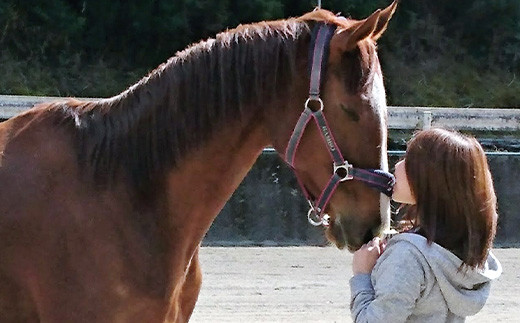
{"x":353,"y":115}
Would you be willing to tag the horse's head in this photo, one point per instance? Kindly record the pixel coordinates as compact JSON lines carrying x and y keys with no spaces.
{"x":354,"y":106}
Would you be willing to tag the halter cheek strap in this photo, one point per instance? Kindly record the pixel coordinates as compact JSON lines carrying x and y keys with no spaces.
{"x":342,"y":170}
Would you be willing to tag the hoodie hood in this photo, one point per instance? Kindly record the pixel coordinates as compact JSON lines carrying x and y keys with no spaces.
{"x":465,"y":290}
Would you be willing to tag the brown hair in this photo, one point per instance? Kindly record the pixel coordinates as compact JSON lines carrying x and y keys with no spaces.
{"x":152,"y":125}
{"x":456,"y":203}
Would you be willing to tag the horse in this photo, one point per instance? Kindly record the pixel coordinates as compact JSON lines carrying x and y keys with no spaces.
{"x":104,"y":203}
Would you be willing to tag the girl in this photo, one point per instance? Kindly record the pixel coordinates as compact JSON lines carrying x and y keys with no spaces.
{"x":440,"y":270}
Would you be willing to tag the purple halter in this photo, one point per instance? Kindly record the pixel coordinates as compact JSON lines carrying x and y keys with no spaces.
{"x":342,"y":170}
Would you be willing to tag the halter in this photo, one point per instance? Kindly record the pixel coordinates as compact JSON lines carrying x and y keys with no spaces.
{"x":342,"y":170}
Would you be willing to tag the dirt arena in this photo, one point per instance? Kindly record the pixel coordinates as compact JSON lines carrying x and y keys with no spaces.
{"x":310,"y":284}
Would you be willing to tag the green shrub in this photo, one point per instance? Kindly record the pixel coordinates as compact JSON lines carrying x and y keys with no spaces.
{"x":436,"y":53}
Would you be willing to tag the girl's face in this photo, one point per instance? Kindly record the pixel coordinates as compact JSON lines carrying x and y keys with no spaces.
{"x":402,"y":192}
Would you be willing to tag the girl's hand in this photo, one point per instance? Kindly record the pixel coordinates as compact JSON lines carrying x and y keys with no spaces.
{"x":365,"y":258}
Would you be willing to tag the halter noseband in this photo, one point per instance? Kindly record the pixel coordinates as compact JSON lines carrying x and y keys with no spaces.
{"x":342,"y":170}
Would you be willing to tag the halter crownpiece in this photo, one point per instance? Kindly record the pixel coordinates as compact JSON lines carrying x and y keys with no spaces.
{"x":342,"y":170}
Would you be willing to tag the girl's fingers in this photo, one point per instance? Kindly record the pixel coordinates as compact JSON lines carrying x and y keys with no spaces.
{"x":375,"y":242}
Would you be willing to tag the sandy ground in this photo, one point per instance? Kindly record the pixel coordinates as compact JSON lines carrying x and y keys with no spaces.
{"x":310,"y":284}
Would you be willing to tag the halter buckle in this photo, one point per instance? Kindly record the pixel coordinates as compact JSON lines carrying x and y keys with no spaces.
{"x":325,"y":220}
{"x":344,"y":171}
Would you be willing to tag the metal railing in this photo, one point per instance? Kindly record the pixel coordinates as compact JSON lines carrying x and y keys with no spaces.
{"x":476,"y":119}
{"x":406,"y":118}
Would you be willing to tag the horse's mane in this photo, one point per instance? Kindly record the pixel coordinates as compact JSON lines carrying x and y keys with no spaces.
{"x":148,"y":128}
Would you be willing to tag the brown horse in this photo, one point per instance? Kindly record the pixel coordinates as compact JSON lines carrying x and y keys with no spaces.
{"x":103,"y":204}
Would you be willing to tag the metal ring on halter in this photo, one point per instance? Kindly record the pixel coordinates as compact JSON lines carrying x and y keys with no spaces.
{"x":314,"y":99}
{"x":347,"y":168}
{"x":314,"y":218}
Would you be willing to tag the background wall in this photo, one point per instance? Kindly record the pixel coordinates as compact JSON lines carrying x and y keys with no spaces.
{"x":269,"y":209}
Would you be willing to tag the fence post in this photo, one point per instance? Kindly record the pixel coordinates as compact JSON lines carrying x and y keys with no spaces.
{"x":427,"y":120}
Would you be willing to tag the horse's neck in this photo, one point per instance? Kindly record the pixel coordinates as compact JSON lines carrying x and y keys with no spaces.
{"x":199,"y":188}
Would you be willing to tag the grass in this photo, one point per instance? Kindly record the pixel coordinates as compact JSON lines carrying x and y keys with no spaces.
{"x":69,"y":78}
{"x":430,"y":82}
{"x":437,"y":82}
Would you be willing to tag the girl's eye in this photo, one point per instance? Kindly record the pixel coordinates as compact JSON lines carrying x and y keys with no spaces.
{"x":353,"y":115}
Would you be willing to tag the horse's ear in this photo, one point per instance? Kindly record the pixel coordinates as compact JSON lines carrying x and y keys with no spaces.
{"x":384,"y":18}
{"x":348,"y":38}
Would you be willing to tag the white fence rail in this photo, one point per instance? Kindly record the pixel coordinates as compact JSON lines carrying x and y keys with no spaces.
{"x":406,"y":118}
{"x":476,"y":119}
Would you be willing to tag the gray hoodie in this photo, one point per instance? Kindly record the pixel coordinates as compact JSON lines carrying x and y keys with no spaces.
{"x":416,"y":282}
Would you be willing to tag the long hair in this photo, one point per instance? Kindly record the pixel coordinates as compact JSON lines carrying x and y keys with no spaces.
{"x":456,"y":203}
{"x":148,"y":129}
